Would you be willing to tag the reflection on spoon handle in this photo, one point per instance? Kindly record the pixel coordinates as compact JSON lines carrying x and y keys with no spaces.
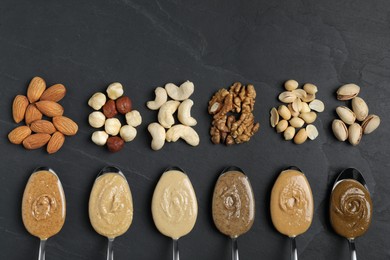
{"x":42,"y":249}
{"x":110,"y":249}
{"x":234,"y":249}
{"x":175,"y":248}
{"x":352,"y":249}
{"x":294,"y":251}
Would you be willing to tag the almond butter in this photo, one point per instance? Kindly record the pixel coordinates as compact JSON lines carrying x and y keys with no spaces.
{"x":19,"y":107}
{"x":20,"y":133}
{"x":55,"y":143}
{"x":55,"y":93}
{"x":65,"y":125}
{"x":35,"y":89}
{"x":32,"y":114}
{"x":36,"y":141}
{"x":50,"y":108}
{"x":42,"y":126}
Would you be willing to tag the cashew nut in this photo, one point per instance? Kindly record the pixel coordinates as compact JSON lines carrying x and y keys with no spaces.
{"x":115,"y":90}
{"x":97,"y":100}
{"x":184,"y":132}
{"x":133,"y":118}
{"x":165,"y":114}
{"x":158,"y":135}
{"x":161,"y":98}
{"x":112,"y":126}
{"x":99,"y":137}
{"x":180,"y":93}
{"x":128,"y":133}
{"x":184,"y":113}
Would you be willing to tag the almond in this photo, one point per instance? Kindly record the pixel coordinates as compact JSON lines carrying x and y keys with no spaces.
{"x":19,"y":107}
{"x":55,"y":143}
{"x":50,"y":108}
{"x":20,"y":133}
{"x":36,"y":141}
{"x":65,"y":125}
{"x":32,"y":114}
{"x":35,"y":89}
{"x":55,"y":93}
{"x":42,"y":126}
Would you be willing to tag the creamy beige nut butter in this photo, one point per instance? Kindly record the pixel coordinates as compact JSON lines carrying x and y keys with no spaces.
{"x":174,"y":205}
{"x":291,"y":203}
{"x":350,"y":208}
{"x":43,"y":205}
{"x":233,"y":204}
{"x":111,"y":205}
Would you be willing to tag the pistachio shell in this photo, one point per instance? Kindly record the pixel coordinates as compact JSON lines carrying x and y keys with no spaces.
{"x":317,"y":105}
{"x":290,"y":84}
{"x":346,"y":114}
{"x":309,"y":98}
{"x":370,"y":124}
{"x":348,"y":91}
{"x":310,"y":88}
{"x":340,"y":130}
{"x":296,"y":122}
{"x":287,"y":97}
{"x":308,"y":117}
{"x":354,"y":134}
{"x":284,"y":112}
{"x":289,"y":133}
{"x":312,"y":132}
{"x":281,"y":126}
{"x":360,"y":108}
{"x":301,"y":136}
{"x":300,"y":93}
{"x":305,"y":108}
{"x":274,"y":118}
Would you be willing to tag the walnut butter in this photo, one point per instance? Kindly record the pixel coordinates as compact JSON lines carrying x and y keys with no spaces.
{"x":43,"y":205}
{"x":291,"y":203}
{"x":111,"y":205}
{"x":174,"y":205}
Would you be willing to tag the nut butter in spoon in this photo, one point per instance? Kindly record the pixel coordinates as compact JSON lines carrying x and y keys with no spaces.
{"x":43,"y":206}
{"x":174,"y":206}
{"x":233,"y":205}
{"x":292,"y":205}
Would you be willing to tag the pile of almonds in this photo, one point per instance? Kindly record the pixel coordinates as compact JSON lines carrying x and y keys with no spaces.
{"x":38,"y":132}
{"x":358,"y":120}
{"x":300,"y":108}
{"x":116,"y":103}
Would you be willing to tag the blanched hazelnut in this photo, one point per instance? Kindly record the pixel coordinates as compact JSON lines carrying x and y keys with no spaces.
{"x":115,"y":144}
{"x":109,"y":109}
{"x":115,"y":90}
{"x":97,"y":100}
{"x":99,"y":137}
{"x":112,"y":126}
{"x":128,"y":133}
{"x":96,"y":119}
{"x":133,"y":118}
{"x":123,"y":105}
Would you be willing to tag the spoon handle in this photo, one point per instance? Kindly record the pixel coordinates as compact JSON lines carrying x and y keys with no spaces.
{"x":110,"y":249}
{"x":42,"y":249}
{"x":294,"y":251}
{"x":352,"y":249}
{"x":175,"y":248}
{"x":235,"y":249}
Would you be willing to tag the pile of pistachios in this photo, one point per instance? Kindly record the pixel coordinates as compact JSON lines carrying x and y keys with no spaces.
{"x":358,"y":120}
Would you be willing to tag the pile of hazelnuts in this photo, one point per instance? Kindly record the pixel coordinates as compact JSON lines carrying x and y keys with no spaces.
{"x":114,"y":134}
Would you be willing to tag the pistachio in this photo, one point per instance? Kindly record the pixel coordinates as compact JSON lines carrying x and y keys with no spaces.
{"x":346,"y":114}
{"x":301,"y":136}
{"x":292,"y":111}
{"x":310,"y":88}
{"x":284,"y":112}
{"x":287,"y":97}
{"x":360,"y":108}
{"x":289,"y":133}
{"x":305,"y":107}
{"x":291,"y":84}
{"x":297,"y":105}
{"x":355,"y":134}
{"x":274,"y":118}
{"x":296,"y":122}
{"x":308,"y":117}
{"x":370,"y":124}
{"x":348,"y":91}
{"x":309,"y":98}
{"x":300,"y":93}
{"x":281,"y":126}
{"x":317,"y":105}
{"x":312,"y":132}
{"x":340,"y":130}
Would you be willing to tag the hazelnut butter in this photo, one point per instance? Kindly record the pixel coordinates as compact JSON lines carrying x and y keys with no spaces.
{"x":350,"y":208}
{"x":43,"y":205}
{"x":111,"y":205}
{"x":291,"y":203}
{"x":174,"y":205}
{"x":233,"y":204}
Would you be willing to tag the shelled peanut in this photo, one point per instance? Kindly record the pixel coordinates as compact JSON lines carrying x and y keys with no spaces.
{"x":296,"y":116}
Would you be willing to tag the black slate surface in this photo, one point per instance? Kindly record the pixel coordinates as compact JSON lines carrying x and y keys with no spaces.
{"x":143,"y":44}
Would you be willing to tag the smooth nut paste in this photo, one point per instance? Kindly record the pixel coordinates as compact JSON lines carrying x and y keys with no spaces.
{"x":43,"y":205}
{"x":350,"y":208}
{"x":111,"y":205}
{"x":174,"y":205}
{"x":291,"y":203}
{"x":233,"y":204}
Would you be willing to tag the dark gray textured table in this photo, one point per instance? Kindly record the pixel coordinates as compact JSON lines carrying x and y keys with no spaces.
{"x":144,"y":44}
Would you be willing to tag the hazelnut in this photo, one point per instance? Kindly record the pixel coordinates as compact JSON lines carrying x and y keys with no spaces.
{"x":115,"y":90}
{"x":115,"y":144}
{"x":97,"y":100}
{"x":133,"y":118}
{"x":112,"y":126}
{"x":109,"y":109}
{"x":96,"y":119}
{"x":99,"y":137}
{"x":128,"y":133}
{"x":123,"y":105}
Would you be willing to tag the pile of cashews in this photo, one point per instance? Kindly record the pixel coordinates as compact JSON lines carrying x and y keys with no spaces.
{"x":165,"y":129}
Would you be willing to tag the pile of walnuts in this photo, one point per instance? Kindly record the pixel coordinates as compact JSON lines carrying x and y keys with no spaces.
{"x":233,"y":120}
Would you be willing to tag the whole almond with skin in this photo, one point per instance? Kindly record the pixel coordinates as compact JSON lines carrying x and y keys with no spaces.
{"x":42,"y":126}
{"x":35,"y":89}
{"x":36,"y":141}
{"x":32,"y":114}
{"x":50,"y":108}
{"x":55,"y":143}
{"x":65,"y":125}
{"x":19,"y":107}
{"x":55,"y":93}
{"x":20,"y":133}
